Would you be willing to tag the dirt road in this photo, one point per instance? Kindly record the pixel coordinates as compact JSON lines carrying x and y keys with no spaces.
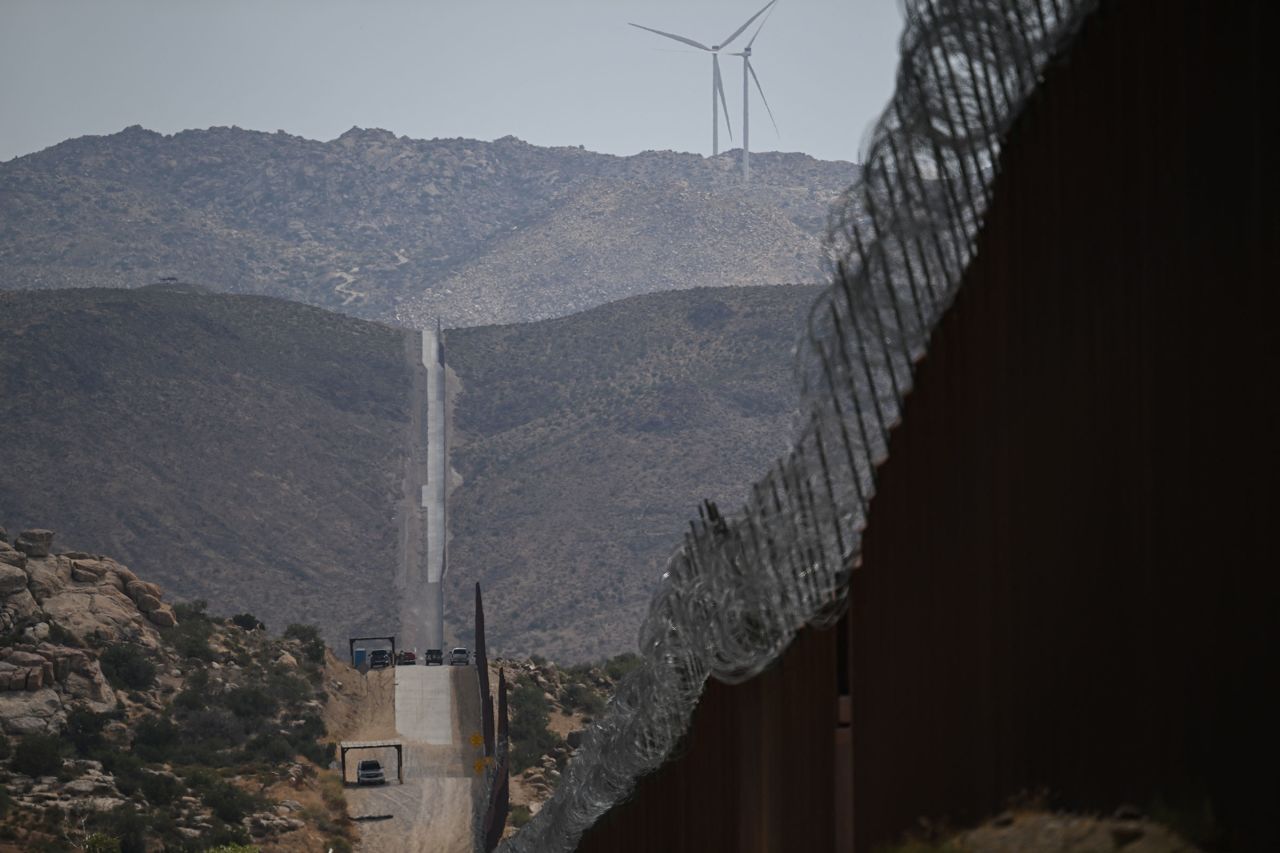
{"x":437,"y":712}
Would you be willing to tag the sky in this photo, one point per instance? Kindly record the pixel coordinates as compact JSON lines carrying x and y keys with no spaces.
{"x":551,"y":72}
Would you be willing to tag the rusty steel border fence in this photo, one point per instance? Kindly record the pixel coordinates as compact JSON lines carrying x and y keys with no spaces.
{"x":742,"y":585}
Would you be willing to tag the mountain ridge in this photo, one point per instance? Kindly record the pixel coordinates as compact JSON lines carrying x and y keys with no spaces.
{"x":383,"y":226}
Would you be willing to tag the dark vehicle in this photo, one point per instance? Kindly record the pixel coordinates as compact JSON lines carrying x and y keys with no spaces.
{"x":406,"y":659}
{"x":459,"y":657}
{"x":433,"y":656}
{"x":369,"y":772}
{"x":379,"y":659}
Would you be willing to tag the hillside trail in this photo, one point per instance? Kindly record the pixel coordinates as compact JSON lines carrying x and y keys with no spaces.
{"x":437,"y":712}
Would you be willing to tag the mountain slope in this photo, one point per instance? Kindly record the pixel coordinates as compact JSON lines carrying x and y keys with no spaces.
{"x":387,"y":227}
{"x":586,"y":442}
{"x":239,"y":449}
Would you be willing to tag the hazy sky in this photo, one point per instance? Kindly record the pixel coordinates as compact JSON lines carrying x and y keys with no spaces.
{"x":552,"y":72}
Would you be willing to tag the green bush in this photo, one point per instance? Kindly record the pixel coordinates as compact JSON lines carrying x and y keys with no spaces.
{"x":247,"y":621}
{"x":84,"y":729}
{"x":100,"y":842}
{"x":250,"y":703}
{"x":228,"y":802}
{"x":520,"y":815}
{"x":618,"y":667}
{"x":160,"y":789}
{"x":5,"y":802}
{"x":529,"y":734}
{"x":309,"y":636}
{"x":126,"y":667}
{"x":125,"y":767}
{"x":154,"y":738}
{"x":37,"y":755}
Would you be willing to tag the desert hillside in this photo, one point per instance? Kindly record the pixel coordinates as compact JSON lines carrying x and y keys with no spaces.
{"x":397,"y":229}
{"x":238,"y":449}
{"x":585,"y":444}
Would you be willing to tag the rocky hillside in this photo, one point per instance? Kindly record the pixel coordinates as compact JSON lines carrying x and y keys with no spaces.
{"x":585,"y":444}
{"x":243,"y":450}
{"x":129,"y":724}
{"x":393,"y":228}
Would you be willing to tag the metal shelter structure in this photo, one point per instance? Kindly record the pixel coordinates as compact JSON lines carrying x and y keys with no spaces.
{"x":347,"y":745}
{"x":351,"y":646}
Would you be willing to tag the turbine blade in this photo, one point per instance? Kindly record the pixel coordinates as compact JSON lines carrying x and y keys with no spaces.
{"x":761,"y":27}
{"x":760,"y":89}
{"x":739,"y":30}
{"x":691,"y":42}
{"x":715,"y":65}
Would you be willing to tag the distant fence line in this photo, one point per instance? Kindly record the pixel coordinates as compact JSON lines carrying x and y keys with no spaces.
{"x":740,"y":587}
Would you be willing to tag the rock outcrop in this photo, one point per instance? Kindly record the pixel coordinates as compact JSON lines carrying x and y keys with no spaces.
{"x":93,"y":601}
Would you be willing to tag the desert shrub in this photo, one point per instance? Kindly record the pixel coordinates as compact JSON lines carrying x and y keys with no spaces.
{"x":529,"y":734}
{"x":583,"y":698}
{"x":125,"y":767}
{"x":83,"y":729}
{"x":189,"y":700}
{"x":37,"y":755}
{"x":228,"y":802}
{"x":160,"y":789}
{"x":250,"y":703}
{"x":5,"y":749}
{"x":520,"y":815}
{"x":247,"y":621}
{"x":100,"y":842}
{"x":288,"y":689}
{"x":192,"y":611}
{"x":618,"y":667}
{"x":154,"y":738}
{"x":5,"y":802}
{"x":273,"y":748}
{"x":126,"y":826}
{"x":234,"y":848}
{"x":126,"y":666}
{"x":309,"y":636}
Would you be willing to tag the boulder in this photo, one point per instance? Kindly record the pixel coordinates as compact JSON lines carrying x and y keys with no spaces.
{"x":90,"y":687}
{"x":47,"y":576}
{"x":139,"y":589}
{"x":12,"y":557}
{"x":15,"y":609}
{"x":35,"y":542}
{"x":85,"y":611}
{"x":163,"y":616}
{"x":12,"y":579}
{"x":88,"y":571}
{"x":287,"y":661}
{"x":37,"y":712}
{"x":124,"y":572}
{"x":36,"y":633}
{"x":147,"y":603}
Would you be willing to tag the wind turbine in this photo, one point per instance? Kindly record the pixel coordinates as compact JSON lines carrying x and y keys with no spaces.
{"x":745,"y":53}
{"x":717,"y":87}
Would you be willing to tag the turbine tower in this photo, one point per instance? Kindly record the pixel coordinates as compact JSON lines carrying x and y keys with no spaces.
{"x":717,"y":87}
{"x":745,"y":53}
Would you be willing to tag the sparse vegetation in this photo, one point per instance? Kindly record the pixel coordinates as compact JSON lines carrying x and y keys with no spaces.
{"x":126,"y":666}
{"x":588,"y":445}
{"x":37,"y":755}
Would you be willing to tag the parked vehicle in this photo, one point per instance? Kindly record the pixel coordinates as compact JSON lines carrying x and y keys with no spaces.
{"x":459,"y":657}
{"x":406,"y":658}
{"x":379,"y":659}
{"x":434,"y":657}
{"x":369,"y":772}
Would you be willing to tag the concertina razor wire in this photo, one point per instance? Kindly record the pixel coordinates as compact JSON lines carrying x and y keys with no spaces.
{"x":736,"y":592}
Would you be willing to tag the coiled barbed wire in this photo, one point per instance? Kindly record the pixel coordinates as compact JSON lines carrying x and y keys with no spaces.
{"x":739,"y":588}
